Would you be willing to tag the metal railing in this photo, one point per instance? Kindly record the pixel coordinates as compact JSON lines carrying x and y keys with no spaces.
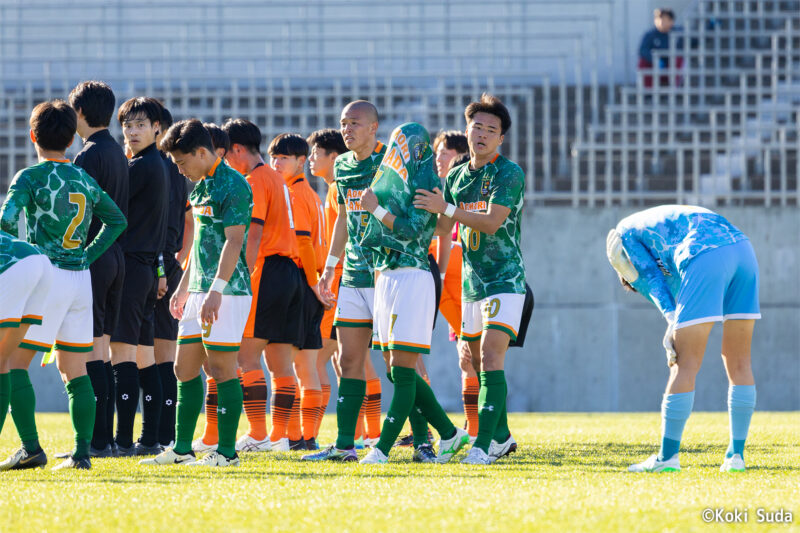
{"x":724,"y":129}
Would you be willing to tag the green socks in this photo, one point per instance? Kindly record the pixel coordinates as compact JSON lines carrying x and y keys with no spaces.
{"x":402,"y":401}
{"x":81,"y":412}
{"x":5,"y":397}
{"x":348,"y":405}
{"x":229,"y":409}
{"x":23,"y":407}
{"x":502,"y":432}
{"x":190,"y":403}
{"x":429,"y":408}
{"x":419,"y":426}
{"x":491,"y":405}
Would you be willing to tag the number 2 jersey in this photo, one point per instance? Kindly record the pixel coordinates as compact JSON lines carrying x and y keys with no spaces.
{"x":492,"y":264}
{"x":59,"y":200}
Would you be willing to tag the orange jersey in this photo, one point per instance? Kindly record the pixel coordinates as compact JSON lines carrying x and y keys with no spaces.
{"x":331,"y":212}
{"x":272,"y":208}
{"x":309,"y":218}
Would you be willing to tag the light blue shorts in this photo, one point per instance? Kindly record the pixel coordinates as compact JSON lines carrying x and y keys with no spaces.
{"x":720,"y":284}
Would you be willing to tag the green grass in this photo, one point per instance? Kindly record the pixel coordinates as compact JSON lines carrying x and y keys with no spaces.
{"x":568,"y":475}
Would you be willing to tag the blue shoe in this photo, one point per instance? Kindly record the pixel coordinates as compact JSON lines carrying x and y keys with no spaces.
{"x":332,"y":453}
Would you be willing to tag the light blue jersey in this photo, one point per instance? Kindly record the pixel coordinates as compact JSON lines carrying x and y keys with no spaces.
{"x":662,"y":241}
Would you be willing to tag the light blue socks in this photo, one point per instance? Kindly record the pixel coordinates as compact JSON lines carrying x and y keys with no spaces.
{"x":741,"y":404}
{"x":675,"y":411}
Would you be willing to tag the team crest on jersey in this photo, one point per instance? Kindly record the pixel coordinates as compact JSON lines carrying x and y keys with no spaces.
{"x":418,"y":149}
{"x":485,"y":182}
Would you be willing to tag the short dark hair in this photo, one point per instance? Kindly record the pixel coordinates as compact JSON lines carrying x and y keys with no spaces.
{"x":664,"y":12}
{"x":145,"y":106}
{"x":290,"y":144}
{"x":219,"y":138}
{"x":492,"y":105}
{"x":453,"y":140}
{"x":95,"y":100}
{"x":458,"y":160}
{"x":329,"y":140}
{"x":186,"y":136}
{"x":166,"y":118}
{"x":244,"y":132}
{"x":54,"y":124}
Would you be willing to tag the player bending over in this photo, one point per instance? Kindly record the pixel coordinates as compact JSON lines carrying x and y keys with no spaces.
{"x":697,"y":268}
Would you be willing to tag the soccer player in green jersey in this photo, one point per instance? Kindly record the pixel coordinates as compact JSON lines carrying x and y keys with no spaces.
{"x":26,"y":276}
{"x":399,"y":235}
{"x":485,"y":197}
{"x":353,"y":172}
{"x":213,"y":299}
{"x":59,"y":200}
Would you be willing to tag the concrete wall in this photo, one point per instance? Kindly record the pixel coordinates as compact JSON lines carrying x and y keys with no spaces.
{"x":593,"y":347}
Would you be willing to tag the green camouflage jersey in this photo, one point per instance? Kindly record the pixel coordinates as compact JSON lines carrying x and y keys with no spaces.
{"x":406,"y":167}
{"x":352,"y":177}
{"x":492,"y":264}
{"x":59,"y":200}
{"x":12,"y":250}
{"x":221,"y":199}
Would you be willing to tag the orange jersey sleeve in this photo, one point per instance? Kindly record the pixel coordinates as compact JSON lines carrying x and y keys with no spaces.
{"x":309,"y":219}
{"x":275,"y":210}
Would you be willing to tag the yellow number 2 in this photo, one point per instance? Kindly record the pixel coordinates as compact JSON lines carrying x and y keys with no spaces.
{"x":70,"y":242}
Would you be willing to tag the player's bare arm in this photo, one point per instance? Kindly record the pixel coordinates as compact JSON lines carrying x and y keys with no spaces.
{"x":338,"y":241}
{"x":234,"y":240}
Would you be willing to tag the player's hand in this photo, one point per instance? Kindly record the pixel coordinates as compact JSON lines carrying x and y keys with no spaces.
{"x":430,"y":201}
{"x":177,"y":303}
{"x":162,"y":288}
{"x":322,"y":296}
{"x":326,"y":280}
{"x":369,"y":201}
{"x":209,"y":311}
{"x":669,"y":339}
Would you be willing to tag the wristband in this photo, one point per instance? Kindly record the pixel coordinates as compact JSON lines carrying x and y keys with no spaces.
{"x":450,"y":210}
{"x":442,"y":276}
{"x":160,"y":270}
{"x":332,"y":261}
{"x":218,"y":285}
{"x":379,"y":213}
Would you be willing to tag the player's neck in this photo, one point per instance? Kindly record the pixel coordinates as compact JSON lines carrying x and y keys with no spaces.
{"x":328,"y":177}
{"x":365,"y":151}
{"x":143,"y":149}
{"x":88,"y":132}
{"x":477,"y":161}
{"x":50,"y":155}
{"x":252,"y":161}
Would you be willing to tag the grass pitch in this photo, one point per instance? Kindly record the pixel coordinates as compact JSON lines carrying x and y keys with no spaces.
{"x":568,"y":475}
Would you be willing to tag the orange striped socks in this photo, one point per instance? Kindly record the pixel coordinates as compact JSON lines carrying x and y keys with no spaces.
{"x":470,"y":387}
{"x":310,"y":402}
{"x":210,"y":434}
{"x":360,"y":422}
{"x":293,"y":431}
{"x":326,"y":396}
{"x":373,"y":408}
{"x":283,"y":390}
{"x":254,"y":387}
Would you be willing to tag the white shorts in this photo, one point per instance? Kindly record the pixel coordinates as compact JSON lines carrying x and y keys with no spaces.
{"x":224,"y":335}
{"x":26,"y":285}
{"x":502,"y":312}
{"x":68,"y":314}
{"x":405,"y":301}
{"x":354,"y":307}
